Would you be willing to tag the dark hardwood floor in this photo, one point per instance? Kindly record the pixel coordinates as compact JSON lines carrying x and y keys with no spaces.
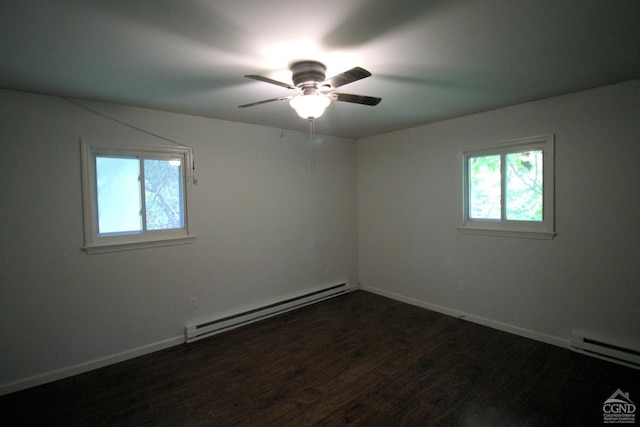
{"x":358,"y":359}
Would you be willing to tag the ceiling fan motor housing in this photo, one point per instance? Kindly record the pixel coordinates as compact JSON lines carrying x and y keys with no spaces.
{"x":308,"y":73}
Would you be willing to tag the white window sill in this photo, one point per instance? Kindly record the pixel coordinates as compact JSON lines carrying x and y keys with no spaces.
{"x":117,"y":247}
{"x":526,"y":234}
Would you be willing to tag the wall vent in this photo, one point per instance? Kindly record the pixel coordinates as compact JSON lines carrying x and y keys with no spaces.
{"x":607,"y":351}
{"x":207,"y":328}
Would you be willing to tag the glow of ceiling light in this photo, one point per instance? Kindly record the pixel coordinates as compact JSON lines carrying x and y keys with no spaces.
{"x":278,"y":55}
{"x":310,"y":106}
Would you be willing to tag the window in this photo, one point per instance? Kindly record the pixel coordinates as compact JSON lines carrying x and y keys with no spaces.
{"x":508,"y":189}
{"x":135,"y":197}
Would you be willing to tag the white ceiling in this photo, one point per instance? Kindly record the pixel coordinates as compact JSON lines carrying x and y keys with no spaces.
{"x":430,"y":59}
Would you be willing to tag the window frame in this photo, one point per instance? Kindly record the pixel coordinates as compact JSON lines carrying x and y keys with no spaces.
{"x":112,"y":242}
{"x":544,"y":229}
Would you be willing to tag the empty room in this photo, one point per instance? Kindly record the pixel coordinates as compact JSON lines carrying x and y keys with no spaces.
{"x":355,"y":212}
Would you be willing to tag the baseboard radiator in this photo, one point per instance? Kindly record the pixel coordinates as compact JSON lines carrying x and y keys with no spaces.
{"x":203,"y":329}
{"x":607,"y":351}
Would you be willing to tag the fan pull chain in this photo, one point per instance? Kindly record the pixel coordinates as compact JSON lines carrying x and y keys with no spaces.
{"x":311,"y":132}
{"x":311,"y":129}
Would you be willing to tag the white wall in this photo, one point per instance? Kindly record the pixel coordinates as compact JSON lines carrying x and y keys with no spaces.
{"x":586,"y":279}
{"x":272,"y":211}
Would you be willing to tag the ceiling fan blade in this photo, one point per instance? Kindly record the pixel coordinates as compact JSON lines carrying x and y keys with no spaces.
{"x":356,"y":99}
{"x":349,"y":76}
{"x":268,"y":80}
{"x":282,"y":98}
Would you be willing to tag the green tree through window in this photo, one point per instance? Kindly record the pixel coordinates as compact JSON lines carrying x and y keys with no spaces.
{"x":509,"y":188}
{"x":484,"y":187}
{"x":524,"y":186}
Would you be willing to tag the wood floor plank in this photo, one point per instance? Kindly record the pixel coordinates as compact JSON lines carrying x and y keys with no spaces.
{"x":359,"y":359}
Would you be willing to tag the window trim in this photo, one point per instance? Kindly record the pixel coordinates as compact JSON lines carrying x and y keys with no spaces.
{"x":544,"y":229}
{"x":93,"y":243}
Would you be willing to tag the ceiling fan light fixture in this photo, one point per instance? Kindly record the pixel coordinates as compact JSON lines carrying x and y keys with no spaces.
{"x":314,"y":91}
{"x":310,"y":106}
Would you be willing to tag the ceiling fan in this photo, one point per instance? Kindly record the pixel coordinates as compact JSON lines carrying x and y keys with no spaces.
{"x":314,"y":91}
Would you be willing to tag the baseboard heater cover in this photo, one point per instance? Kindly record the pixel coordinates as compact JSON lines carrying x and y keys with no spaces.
{"x":203,"y":329}
{"x":607,"y":351}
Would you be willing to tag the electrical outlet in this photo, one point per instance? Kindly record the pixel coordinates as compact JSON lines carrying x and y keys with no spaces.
{"x":462,"y":285}
{"x":328,"y":270}
{"x":193,"y":302}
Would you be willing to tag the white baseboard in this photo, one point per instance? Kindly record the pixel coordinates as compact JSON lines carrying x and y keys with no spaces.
{"x":59,"y":374}
{"x":505,"y":327}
